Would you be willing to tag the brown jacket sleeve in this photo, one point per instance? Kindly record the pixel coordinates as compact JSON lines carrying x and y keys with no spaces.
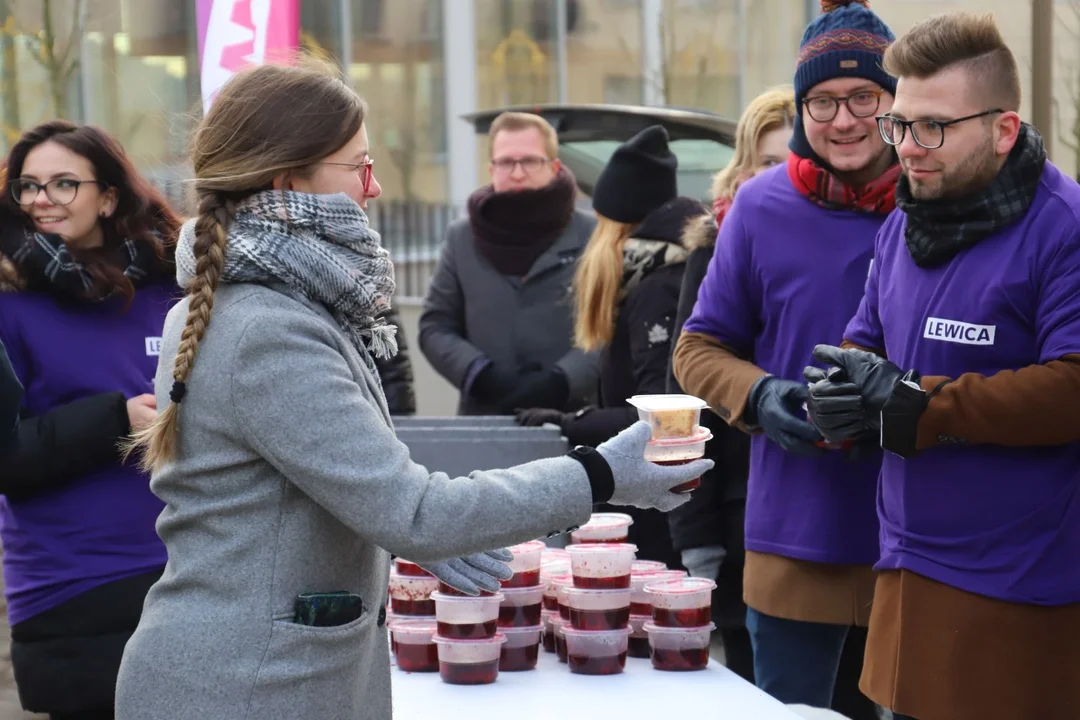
{"x":1034,"y":406}
{"x":708,"y":369}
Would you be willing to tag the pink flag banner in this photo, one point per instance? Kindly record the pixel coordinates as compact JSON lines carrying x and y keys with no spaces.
{"x":235,"y":34}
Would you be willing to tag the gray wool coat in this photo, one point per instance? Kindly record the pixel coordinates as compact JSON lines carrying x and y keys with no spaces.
{"x":473,"y":311}
{"x":289,"y":479}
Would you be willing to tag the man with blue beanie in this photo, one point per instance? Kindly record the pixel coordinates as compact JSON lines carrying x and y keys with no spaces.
{"x":790,"y":266}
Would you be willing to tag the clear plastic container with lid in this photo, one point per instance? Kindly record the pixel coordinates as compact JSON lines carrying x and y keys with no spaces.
{"x":411,"y":594}
{"x":679,"y":452}
{"x":598,"y":609}
{"x":547,"y":620}
{"x":638,"y":644}
{"x":602,"y":566}
{"x":413,"y":643}
{"x":526,"y":564}
{"x":407,"y":567}
{"x":686,"y":602}
{"x":679,"y":648}
{"x":465,"y":618}
{"x":603,"y":528}
{"x":592,"y":652}
{"x":470,"y":662}
{"x":521,"y":649}
{"x":640,"y":603}
{"x":670,"y":416}
{"x":520,"y":606}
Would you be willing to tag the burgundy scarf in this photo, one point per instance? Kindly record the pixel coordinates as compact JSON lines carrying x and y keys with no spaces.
{"x":512,"y":229}
{"x":829,"y":191}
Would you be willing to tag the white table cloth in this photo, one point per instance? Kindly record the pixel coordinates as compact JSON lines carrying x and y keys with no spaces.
{"x":552,"y":692}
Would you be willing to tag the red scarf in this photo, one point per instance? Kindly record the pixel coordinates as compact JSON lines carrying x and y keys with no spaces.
{"x":720,"y":208}
{"x":827,"y":190}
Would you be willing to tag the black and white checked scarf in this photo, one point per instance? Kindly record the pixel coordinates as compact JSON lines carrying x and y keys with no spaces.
{"x":937,"y":230}
{"x":319,"y":245}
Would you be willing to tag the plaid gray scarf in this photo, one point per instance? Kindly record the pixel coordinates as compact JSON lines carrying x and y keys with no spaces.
{"x":318,"y":245}
{"x":937,"y":230}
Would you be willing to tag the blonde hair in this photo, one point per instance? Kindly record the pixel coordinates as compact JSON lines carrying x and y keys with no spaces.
{"x":771,"y":110}
{"x":597,"y":283}
{"x":517,"y":121}
{"x":969,"y":40}
{"x":267,"y":121}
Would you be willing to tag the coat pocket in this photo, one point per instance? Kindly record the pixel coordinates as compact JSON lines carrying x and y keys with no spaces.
{"x":314,"y":672}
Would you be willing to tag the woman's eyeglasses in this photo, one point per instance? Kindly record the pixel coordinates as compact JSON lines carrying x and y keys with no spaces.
{"x":61,"y":191}
{"x":364,"y":170}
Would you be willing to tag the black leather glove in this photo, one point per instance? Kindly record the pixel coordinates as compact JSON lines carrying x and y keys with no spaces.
{"x":772,"y":405}
{"x":492,"y":387}
{"x":547,"y":389}
{"x":873,"y":377}
{"x":535,"y":417}
{"x":835,"y":406}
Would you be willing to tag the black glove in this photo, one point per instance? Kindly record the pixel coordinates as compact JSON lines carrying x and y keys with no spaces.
{"x":772,"y":405}
{"x":873,"y":377}
{"x":535,"y":417}
{"x":492,"y":387}
{"x":547,"y":389}
{"x":835,"y":406}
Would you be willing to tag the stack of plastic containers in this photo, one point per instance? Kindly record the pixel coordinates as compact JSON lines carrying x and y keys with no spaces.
{"x":677,"y":437}
{"x":681,"y":628}
{"x":411,"y":620}
{"x":596,"y":630}
{"x":520,"y":610}
{"x":643,"y":572}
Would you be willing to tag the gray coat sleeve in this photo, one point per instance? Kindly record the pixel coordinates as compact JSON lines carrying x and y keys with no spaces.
{"x":299,"y":407}
{"x":442,"y":323}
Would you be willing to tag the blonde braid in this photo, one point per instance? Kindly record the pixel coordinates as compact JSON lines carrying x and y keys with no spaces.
{"x":158,"y":440}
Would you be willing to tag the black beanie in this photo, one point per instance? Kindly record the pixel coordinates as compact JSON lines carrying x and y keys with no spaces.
{"x":639,"y":177}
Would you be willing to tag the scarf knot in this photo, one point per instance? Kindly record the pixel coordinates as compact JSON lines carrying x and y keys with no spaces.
{"x":318,"y":245}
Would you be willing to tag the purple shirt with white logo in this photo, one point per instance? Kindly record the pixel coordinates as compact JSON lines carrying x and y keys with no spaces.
{"x":786,"y":275}
{"x":99,"y":527}
{"x":998,"y":521}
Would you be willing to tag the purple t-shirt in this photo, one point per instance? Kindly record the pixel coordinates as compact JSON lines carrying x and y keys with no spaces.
{"x":1002,"y":522}
{"x":99,"y":527}
{"x":786,"y":275}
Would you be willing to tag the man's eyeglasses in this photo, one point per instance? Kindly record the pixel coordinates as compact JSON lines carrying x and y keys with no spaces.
{"x":61,"y":191}
{"x":861,"y":104}
{"x":364,"y":170}
{"x":928,"y":134}
{"x":529,"y":164}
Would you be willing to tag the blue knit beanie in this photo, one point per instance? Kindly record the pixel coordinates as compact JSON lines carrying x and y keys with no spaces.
{"x":847,"y":40}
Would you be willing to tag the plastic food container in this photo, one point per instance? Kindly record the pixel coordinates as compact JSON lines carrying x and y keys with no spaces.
{"x":447,"y":590}
{"x":679,"y":452}
{"x":413,"y":644}
{"x":410,"y":595}
{"x":526,"y":564}
{"x":603,"y":528}
{"x":598,"y":609}
{"x":679,"y":648}
{"x":405,"y":567}
{"x":521,"y":607}
{"x":591,"y":652}
{"x":640,"y":603}
{"x":669,"y":416}
{"x":469,"y":662}
{"x":684,"y":603}
{"x":557,"y":586}
{"x":602,"y":566}
{"x":560,"y":626}
{"x":638,"y":644}
{"x":547,"y":619}
{"x":521,"y":649}
{"x":466,"y":618}
{"x":644,"y":566}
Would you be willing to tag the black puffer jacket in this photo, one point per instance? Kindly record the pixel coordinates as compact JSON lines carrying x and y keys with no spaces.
{"x":396,"y":373}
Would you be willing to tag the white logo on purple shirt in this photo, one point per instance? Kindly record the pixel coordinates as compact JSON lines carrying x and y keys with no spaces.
{"x":959,"y":332}
{"x":153,"y":346}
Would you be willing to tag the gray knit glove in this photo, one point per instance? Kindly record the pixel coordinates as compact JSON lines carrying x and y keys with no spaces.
{"x":472,"y":573}
{"x":641,"y":483}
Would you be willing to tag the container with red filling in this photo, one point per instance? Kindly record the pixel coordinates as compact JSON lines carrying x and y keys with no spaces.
{"x":410,"y":595}
{"x":596,"y":652}
{"x":447,"y":590}
{"x":404,"y":567}
{"x":521,"y":650}
{"x":602,"y":566}
{"x":413,"y":644}
{"x":640,"y":603}
{"x":466,"y":617}
{"x":686,"y":602}
{"x":638,"y":643}
{"x":598,"y":609}
{"x":547,"y":635}
{"x":679,"y":452}
{"x":521,"y":606}
{"x":644,"y":566}
{"x":469,"y":662}
{"x":603,"y":528}
{"x":679,"y":648}
{"x":560,"y":626}
{"x":558,"y":585}
{"x":526,"y":564}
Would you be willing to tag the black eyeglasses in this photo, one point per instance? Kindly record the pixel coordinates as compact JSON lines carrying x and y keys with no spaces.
{"x":61,"y":191}
{"x":861,"y":104}
{"x":529,"y":164}
{"x":928,"y":134}
{"x":364,"y":170}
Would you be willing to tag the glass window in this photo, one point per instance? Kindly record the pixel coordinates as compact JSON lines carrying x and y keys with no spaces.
{"x":603,"y":51}
{"x":516,"y":63}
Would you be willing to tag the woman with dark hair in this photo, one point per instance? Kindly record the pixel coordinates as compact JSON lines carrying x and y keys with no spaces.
{"x":87,"y":276}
